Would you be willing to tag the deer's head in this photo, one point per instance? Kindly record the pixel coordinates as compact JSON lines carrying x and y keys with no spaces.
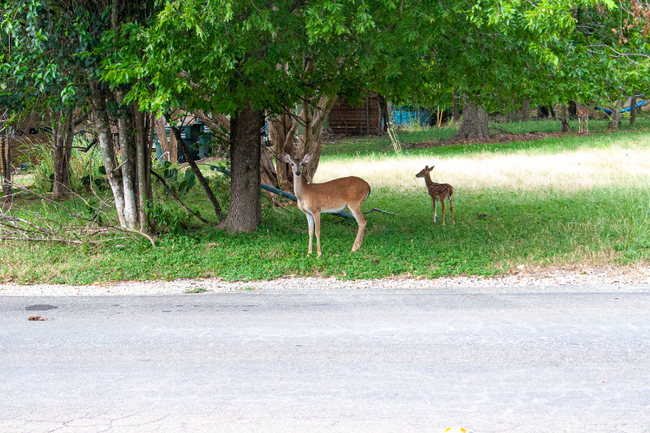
{"x":426,"y":170}
{"x":296,"y":164}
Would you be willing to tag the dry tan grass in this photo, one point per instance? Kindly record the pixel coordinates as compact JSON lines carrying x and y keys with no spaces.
{"x":569,"y":171}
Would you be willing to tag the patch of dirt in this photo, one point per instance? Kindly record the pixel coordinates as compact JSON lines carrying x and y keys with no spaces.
{"x":496,"y":138}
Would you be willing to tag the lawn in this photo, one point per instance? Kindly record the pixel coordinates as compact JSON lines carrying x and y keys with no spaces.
{"x":563,"y":200}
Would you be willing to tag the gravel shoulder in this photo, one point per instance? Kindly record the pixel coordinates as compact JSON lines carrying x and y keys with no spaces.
{"x":629,"y":279}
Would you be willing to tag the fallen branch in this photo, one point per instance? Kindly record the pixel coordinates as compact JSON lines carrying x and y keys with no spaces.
{"x":20,"y":220}
{"x":63,"y":241}
{"x":175,"y":197}
{"x":374,"y":209}
{"x":9,"y":197}
{"x":94,"y":221}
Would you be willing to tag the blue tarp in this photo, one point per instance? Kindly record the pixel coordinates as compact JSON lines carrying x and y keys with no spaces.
{"x":605,"y":110}
{"x":410,"y":117}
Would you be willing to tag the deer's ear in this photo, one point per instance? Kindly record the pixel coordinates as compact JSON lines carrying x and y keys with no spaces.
{"x":307,"y":158}
{"x":426,"y":167}
{"x":287,"y":158}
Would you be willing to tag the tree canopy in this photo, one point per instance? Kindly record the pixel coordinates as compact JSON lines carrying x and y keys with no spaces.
{"x":245,"y":61}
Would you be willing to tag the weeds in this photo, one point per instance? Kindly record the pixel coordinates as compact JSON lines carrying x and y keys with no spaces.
{"x":196,"y":290}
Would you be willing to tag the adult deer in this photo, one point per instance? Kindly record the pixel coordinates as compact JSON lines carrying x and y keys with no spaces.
{"x":583,"y":112}
{"x":440,"y":191}
{"x":330,"y":197}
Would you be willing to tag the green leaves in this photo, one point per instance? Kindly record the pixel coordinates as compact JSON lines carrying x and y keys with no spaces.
{"x":178,"y":184}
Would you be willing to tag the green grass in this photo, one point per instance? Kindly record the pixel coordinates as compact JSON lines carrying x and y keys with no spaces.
{"x":543,"y":228}
{"x":350,"y":147}
{"x":547,"y":226}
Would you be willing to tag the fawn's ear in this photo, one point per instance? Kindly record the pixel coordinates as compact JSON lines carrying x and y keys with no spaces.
{"x":307,"y":158}
{"x":287,"y":158}
{"x":426,"y":168}
{"x":432,"y":167}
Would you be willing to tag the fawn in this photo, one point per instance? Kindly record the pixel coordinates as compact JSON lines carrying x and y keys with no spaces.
{"x":583,"y":112}
{"x":438,"y":190}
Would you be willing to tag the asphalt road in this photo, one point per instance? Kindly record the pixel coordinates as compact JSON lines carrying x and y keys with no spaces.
{"x":327,"y":361}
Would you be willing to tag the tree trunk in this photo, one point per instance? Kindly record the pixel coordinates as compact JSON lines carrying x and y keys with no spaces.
{"x":107,"y":148}
{"x":218,"y":123}
{"x":133,"y":194}
{"x":149,"y":161}
{"x":173,"y":148}
{"x":128,"y":164}
{"x":572,"y":109}
{"x":143,"y":170}
{"x":267,"y":169}
{"x":474,"y":125}
{"x":513,"y":115}
{"x":614,"y":119}
{"x":245,"y":212}
{"x":280,"y":127}
{"x":314,"y":146}
{"x":176,"y":133}
{"x":563,"y":119}
{"x":525,"y":110}
{"x":283,"y":130}
{"x":313,"y":119}
{"x":633,"y":111}
{"x":162,"y":138}
{"x":63,"y":139}
{"x":385,"y":115}
{"x":5,"y":155}
{"x":455,"y":112}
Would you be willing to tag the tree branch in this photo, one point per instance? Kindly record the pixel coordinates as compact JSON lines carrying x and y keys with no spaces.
{"x":175,"y":197}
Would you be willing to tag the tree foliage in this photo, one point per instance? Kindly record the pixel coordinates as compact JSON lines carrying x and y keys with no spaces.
{"x":233,"y":62}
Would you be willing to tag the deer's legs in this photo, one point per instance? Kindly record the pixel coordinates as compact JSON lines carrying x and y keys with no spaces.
{"x":310,"y":224}
{"x":451,"y":208}
{"x":442,"y":203}
{"x":587,"y":123}
{"x":317,"y":227}
{"x":435,"y":215}
{"x":361,"y":221}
